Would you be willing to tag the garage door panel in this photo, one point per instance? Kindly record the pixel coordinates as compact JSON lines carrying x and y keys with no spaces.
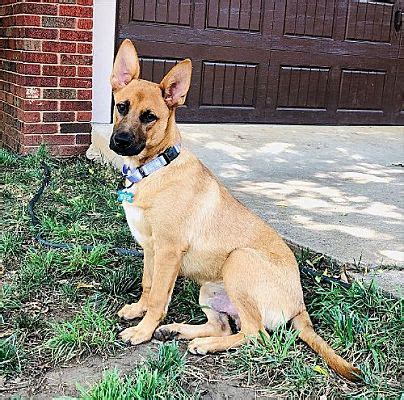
{"x":369,"y":20}
{"x":300,"y":83}
{"x":240,"y":15}
{"x":362,"y":90}
{"x":228,"y":84}
{"x":174,"y":12}
{"x":309,"y":18}
{"x":154,"y":69}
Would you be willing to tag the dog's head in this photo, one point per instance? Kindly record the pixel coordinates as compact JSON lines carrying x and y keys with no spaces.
{"x":143,"y":109}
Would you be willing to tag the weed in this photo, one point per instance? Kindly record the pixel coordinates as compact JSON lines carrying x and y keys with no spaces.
{"x":36,"y":271}
{"x":11,"y":355}
{"x":122,"y":281}
{"x":10,"y":244}
{"x":8,"y":298}
{"x":89,"y":331}
{"x":88,"y":263}
{"x":8,"y":159}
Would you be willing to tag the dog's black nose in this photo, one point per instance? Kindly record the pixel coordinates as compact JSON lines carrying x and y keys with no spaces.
{"x":123,"y":139}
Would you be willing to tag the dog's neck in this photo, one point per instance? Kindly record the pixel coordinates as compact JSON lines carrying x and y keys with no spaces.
{"x":171,"y":138}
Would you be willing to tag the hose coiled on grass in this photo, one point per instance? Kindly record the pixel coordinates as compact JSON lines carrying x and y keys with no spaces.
{"x":119,"y":250}
{"x":63,"y":246}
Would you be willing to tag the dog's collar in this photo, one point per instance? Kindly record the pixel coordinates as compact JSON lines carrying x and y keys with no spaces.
{"x":163,"y":159}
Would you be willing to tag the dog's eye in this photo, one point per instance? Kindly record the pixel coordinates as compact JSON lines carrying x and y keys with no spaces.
{"x":147,"y":117}
{"x":123,"y":108}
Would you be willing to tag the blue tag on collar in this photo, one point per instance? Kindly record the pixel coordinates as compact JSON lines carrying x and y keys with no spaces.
{"x":124,"y":195}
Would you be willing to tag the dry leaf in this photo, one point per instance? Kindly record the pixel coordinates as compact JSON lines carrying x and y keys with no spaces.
{"x":344,"y":277}
{"x":320,"y":370}
{"x":82,"y":285}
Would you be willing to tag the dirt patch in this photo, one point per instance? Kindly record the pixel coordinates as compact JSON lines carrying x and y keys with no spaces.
{"x":64,"y":380}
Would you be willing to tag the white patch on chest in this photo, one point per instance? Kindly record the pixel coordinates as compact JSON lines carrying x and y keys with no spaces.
{"x":137,"y":223}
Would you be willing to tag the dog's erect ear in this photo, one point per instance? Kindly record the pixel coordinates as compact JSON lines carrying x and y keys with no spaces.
{"x":126,"y":65}
{"x":176,"y":83}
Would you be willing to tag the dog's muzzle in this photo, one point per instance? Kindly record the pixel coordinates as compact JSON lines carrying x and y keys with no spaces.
{"x":124,"y":144}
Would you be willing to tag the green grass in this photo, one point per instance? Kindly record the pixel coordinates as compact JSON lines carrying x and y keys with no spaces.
{"x":60,"y":306}
{"x":360,"y":323}
{"x":11,"y":356}
{"x":89,"y":332}
{"x":158,"y":377}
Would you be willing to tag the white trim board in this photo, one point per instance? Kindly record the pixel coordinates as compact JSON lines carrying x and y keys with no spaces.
{"x":103,"y":55}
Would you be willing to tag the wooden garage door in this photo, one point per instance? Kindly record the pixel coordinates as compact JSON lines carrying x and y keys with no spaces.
{"x":276,"y":61}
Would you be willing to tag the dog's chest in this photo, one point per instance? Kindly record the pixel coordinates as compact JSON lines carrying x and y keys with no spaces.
{"x":138,"y":225}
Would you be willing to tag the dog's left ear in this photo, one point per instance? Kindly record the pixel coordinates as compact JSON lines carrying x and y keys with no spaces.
{"x":176,"y":83}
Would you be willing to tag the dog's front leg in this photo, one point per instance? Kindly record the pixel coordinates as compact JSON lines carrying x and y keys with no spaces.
{"x":167,"y":264}
{"x":138,"y":309}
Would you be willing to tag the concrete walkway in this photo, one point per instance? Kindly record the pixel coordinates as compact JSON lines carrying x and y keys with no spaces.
{"x":336,"y":190}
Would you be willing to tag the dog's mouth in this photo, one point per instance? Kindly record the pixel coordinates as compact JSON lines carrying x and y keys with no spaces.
{"x":126,"y":149}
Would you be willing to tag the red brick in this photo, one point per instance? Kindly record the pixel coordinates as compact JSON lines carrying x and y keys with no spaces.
{"x":39,"y":81}
{"x":32,"y":140}
{"x":58,"y":22}
{"x":82,"y":127}
{"x":85,"y":2}
{"x":40,"y":128}
{"x":59,"y":117}
{"x":59,"y":139}
{"x":41,"y":58}
{"x":32,"y":93}
{"x":60,"y":1}
{"x":41,"y":33}
{"x":27,"y":20}
{"x":68,"y":151}
{"x":84,"y":116}
{"x":83,"y":138}
{"x":84,"y":94}
{"x":75,"y":82}
{"x":76,"y":11}
{"x":28,"y":44}
{"x":29,"y":116}
{"x":59,"y":94}
{"x":39,"y":105}
{"x":84,"y":48}
{"x":59,"y":47}
{"x":75,"y":59}
{"x":85,"y":24}
{"x":58,"y":70}
{"x":29,"y":69}
{"x":75,"y":105}
{"x":85,"y":71}
{"x":76,"y":36}
{"x":35,"y":8}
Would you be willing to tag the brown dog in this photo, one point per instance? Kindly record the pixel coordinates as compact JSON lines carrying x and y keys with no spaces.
{"x":189,"y":224}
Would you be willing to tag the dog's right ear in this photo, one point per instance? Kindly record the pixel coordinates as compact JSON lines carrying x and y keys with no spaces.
{"x":126,"y":66}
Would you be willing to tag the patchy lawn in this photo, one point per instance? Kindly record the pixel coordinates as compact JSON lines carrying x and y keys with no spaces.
{"x":58,"y":309}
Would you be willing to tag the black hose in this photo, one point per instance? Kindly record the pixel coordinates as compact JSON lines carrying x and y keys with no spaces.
{"x":122,"y":251}
{"x":63,"y":246}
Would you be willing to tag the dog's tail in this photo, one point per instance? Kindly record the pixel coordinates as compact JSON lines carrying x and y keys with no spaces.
{"x":303,"y":324}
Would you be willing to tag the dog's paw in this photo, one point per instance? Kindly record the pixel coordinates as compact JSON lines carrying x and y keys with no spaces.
{"x":131,"y":311}
{"x":135,"y":335}
{"x":199,"y":346}
{"x":166,"y":332}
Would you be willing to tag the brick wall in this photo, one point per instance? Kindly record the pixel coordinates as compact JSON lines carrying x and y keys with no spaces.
{"x":45,"y":75}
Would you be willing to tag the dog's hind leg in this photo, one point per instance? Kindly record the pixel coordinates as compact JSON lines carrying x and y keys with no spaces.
{"x":217,"y":324}
{"x":242,"y":278}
